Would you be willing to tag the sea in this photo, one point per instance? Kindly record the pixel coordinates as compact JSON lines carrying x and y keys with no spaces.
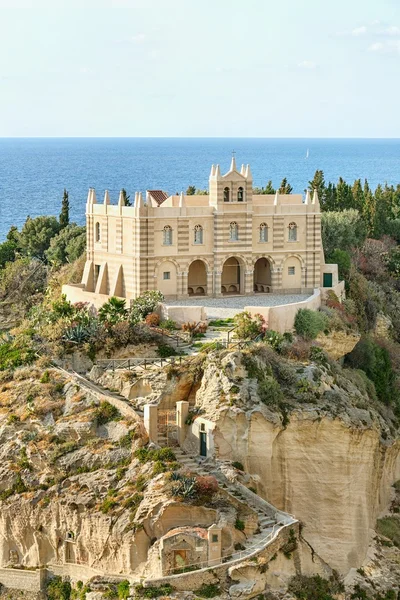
{"x":35,"y":171}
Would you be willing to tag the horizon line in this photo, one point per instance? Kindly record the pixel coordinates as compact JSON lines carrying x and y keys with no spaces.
{"x":194,"y":137}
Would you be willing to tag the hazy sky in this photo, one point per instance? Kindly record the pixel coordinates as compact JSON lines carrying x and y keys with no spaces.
{"x":310,"y":68}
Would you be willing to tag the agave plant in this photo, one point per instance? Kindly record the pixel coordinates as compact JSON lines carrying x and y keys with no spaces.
{"x":77,"y":334}
{"x":186,"y":488}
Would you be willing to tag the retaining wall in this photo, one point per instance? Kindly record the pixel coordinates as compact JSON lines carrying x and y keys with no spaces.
{"x":21,"y":579}
{"x":281,"y":318}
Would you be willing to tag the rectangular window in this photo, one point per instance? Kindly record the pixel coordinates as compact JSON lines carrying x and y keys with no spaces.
{"x":214,"y":538}
{"x":167,"y":274}
{"x":96,"y":273}
{"x":291,"y":270}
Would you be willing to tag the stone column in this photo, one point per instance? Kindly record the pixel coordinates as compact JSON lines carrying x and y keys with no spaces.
{"x":276,"y":279}
{"x":150,"y":419}
{"x":183,"y":284}
{"x":217,"y":283}
{"x":182,"y":411}
{"x":303,"y":278}
{"x":209,"y":283}
{"x":249,"y":282}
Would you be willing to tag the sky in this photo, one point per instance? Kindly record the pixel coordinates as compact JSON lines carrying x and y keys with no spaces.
{"x":177,"y":68}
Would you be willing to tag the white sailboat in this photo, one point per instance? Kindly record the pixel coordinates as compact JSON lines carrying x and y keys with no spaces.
{"x":307,"y":153}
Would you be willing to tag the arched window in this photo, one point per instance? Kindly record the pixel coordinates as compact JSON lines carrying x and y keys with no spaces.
{"x":97,"y":232}
{"x":198,"y":234}
{"x":167,"y":237}
{"x":226,"y":194}
{"x":240,"y":194}
{"x":263,"y":232}
{"x":233,"y":232}
{"x":292,"y":237}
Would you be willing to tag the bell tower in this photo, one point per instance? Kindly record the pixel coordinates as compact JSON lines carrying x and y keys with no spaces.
{"x":232,"y":188}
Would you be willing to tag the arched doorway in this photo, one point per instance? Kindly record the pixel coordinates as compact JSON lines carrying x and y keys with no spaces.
{"x":262,"y":275}
{"x":232,"y":281}
{"x":197,"y":279}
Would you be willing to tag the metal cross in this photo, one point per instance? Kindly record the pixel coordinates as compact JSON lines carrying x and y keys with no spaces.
{"x":233,"y":153}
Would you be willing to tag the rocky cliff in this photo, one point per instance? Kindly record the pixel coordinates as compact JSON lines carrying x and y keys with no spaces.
{"x":315,"y":442}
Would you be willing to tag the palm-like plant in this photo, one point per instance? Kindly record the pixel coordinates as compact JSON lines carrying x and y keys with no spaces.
{"x":113,"y":311}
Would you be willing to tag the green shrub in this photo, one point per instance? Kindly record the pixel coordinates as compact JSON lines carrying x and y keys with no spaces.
{"x":239,"y":525}
{"x":45,"y":378}
{"x":123,"y":590}
{"x":375,"y":361}
{"x":168,"y":324}
{"x":208,"y":590}
{"x":274,"y":339}
{"x":164,"y":351}
{"x":315,"y":588}
{"x":270,"y":391}
{"x":308,"y":323}
{"x":153,"y":591}
{"x":57,"y":589}
{"x":106,"y":412}
{"x":145,"y":304}
{"x":238,"y":465}
{"x":247,"y":326}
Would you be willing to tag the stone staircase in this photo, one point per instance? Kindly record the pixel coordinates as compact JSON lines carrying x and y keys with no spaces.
{"x":266,"y":518}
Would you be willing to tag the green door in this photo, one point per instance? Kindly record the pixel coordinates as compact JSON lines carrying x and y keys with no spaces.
{"x":203,"y":443}
{"x":327,"y":279}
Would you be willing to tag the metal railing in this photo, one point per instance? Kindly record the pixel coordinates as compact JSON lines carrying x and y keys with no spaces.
{"x":255,"y":548}
{"x":134,"y":363}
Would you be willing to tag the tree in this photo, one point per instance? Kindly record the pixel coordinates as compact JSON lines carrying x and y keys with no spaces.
{"x":7,"y":252}
{"x":269,"y":189}
{"x":375,"y":361}
{"x":125,"y":197}
{"x":285,"y":187}
{"x":191,"y":190}
{"x":13,"y":235}
{"x":344,"y":230}
{"x":318,"y":183}
{"x":344,"y":196}
{"x":36,"y":235}
{"x":64,"y":215}
{"x":358,"y":195}
{"x":68,"y":245}
{"x":342,"y":259}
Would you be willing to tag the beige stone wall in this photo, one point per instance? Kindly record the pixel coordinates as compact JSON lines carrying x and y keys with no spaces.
{"x":129,"y":252}
{"x":281,"y":318}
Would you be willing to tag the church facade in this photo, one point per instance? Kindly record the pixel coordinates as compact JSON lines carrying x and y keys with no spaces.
{"x":228,"y":241}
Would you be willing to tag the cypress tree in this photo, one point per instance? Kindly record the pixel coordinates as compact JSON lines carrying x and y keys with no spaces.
{"x":64,"y":215}
{"x":269,"y":188}
{"x":318,"y":183}
{"x":285,"y":187}
{"x":126,"y":198}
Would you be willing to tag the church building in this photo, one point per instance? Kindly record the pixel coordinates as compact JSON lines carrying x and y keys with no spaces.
{"x":229,"y":241}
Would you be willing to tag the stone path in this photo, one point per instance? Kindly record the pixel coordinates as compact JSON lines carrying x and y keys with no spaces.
{"x":229,"y":306}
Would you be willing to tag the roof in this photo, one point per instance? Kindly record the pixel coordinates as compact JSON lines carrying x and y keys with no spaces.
{"x":158,"y":196}
{"x":197,"y":531}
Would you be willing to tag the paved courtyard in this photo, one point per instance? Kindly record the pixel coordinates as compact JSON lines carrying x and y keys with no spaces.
{"x":229,"y":306}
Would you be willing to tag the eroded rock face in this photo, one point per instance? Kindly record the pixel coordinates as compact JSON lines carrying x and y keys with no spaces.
{"x":329,"y":461}
{"x":334,"y":478}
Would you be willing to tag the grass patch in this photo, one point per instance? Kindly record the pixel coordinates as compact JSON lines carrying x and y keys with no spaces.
{"x":106,"y":412}
{"x":389,"y":527}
